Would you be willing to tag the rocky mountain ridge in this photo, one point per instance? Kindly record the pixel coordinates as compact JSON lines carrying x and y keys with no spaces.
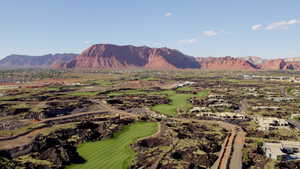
{"x":26,"y":61}
{"x":109,"y":56}
{"x":103,"y":56}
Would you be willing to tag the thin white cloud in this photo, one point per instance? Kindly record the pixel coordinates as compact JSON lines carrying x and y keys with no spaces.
{"x":281,"y":25}
{"x":257,"y":27}
{"x":294,"y":21}
{"x":210,"y":33}
{"x":168,"y":14}
{"x":187,"y":41}
{"x":278,"y":25}
{"x":87,"y":42}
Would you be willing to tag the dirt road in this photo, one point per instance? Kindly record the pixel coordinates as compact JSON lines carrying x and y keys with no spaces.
{"x":231,"y":154}
{"x":25,"y":138}
{"x":237,"y":152}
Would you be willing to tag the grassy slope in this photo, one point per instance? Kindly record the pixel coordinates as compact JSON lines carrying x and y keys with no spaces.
{"x":78,"y":93}
{"x":127,"y":92}
{"x":178,"y":101}
{"x":114,"y":153}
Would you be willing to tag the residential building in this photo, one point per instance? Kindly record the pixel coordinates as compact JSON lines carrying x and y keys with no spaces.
{"x":271,"y":123}
{"x":285,"y":150}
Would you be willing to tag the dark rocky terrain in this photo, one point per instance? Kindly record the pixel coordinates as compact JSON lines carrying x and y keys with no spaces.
{"x":180,"y":145}
{"x":58,"y":149}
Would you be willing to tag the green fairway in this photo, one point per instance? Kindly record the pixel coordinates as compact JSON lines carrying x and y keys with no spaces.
{"x":78,"y":93}
{"x":114,"y":153}
{"x":203,"y":93}
{"x":185,"y":88}
{"x":126,"y":92}
{"x":178,"y":102}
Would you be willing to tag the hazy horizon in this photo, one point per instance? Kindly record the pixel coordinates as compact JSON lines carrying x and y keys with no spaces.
{"x":53,"y":53}
{"x":269,"y":29}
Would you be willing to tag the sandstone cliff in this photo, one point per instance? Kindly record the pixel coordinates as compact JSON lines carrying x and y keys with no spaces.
{"x":105,"y":56}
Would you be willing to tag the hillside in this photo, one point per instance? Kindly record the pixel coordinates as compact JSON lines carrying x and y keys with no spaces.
{"x":225,"y":63}
{"x":105,"y":56}
{"x":109,"y":56}
{"x":25,"y":61}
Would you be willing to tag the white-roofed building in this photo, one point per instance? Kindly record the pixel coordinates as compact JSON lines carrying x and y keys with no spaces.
{"x":285,"y":150}
{"x":271,"y":123}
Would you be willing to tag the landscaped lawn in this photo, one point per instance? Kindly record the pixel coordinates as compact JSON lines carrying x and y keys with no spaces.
{"x":203,"y":93}
{"x":126,"y":92}
{"x":186,"y":88}
{"x":78,"y":93}
{"x":114,"y":153}
{"x":178,"y":101}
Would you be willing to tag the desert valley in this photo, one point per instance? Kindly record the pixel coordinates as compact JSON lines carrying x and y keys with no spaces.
{"x":108,"y":56}
{"x":138,"y":107}
{"x":154,"y":84}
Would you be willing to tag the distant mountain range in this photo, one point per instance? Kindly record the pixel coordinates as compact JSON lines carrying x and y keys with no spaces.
{"x":108,"y":56}
{"x":44,"y":61}
{"x":125,"y":57}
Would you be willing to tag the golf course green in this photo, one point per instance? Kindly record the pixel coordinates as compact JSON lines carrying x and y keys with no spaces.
{"x":178,"y":101}
{"x":114,"y":153}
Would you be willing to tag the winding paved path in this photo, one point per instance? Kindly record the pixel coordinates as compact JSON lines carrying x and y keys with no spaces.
{"x":230,"y":156}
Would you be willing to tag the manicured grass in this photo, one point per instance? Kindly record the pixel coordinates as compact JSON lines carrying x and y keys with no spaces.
{"x":149,"y":79}
{"x":83,"y":93}
{"x":114,"y":153}
{"x":185,"y":88}
{"x":126,"y":92}
{"x":203,"y":93}
{"x":178,"y":102}
{"x":135,"y":92}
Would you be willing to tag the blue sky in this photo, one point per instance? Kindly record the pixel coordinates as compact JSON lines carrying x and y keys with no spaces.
{"x":267,"y":28}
